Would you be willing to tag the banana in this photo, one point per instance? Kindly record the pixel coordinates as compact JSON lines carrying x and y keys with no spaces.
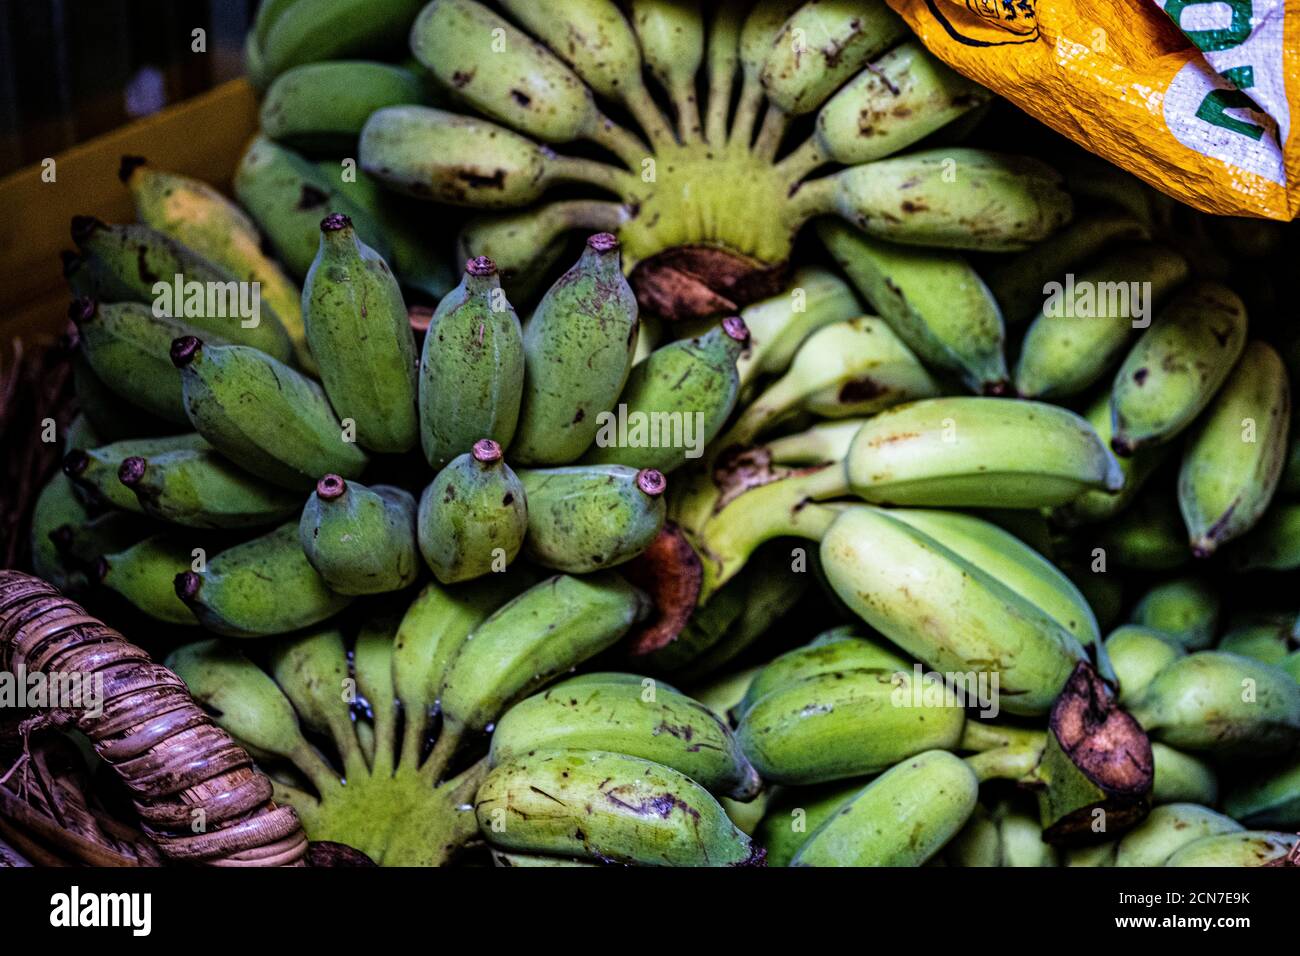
{"x":578,"y":347}
{"x":1138,"y":654}
{"x":610,"y":807}
{"x":946,"y":612}
{"x":1006,"y":836}
{"x":1085,"y":323}
{"x":842,"y":724}
{"x":1267,"y":798}
{"x":671,"y":34}
{"x":1177,"y":366}
{"x":675,"y":402}
{"x":830,"y":653}
{"x":821,"y":45}
{"x":308,"y":31}
{"x":1247,"y":848}
{"x":312,"y":670}
{"x":1267,"y":637}
{"x":932,"y":299}
{"x":360,"y":540}
{"x":1273,"y":544}
{"x":588,"y":517}
{"x":903,"y":96}
{"x":261,"y":587}
{"x":262,"y":415}
{"x":1148,"y":536}
{"x":1221,"y":703}
{"x":202,"y":219}
{"x":113,"y":418}
{"x":550,"y":628}
{"x":526,"y":245}
{"x":81,"y":544}
{"x":822,"y":444}
{"x":144,"y":266}
{"x":473,"y":516}
{"x":199,"y":488}
{"x":471,"y":374}
{"x":144,"y":572}
{"x":795,"y":812}
{"x":592,"y":36}
{"x":1233,"y":460}
{"x":1182,"y":777}
{"x":128,"y":347}
{"x":1167,"y":830}
{"x":56,"y":506}
{"x":288,"y":197}
{"x":654,"y":724}
{"x":323,"y":106}
{"x":852,"y":368}
{"x":361,"y":337}
{"x":1004,"y":203}
{"x":1185,"y":609}
{"x":902,"y":818}
{"x":97,"y":470}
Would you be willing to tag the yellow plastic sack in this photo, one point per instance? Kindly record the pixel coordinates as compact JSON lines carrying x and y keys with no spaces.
{"x":1194,"y":96}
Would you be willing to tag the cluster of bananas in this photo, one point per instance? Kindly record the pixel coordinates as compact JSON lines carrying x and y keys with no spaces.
{"x":400,"y":656}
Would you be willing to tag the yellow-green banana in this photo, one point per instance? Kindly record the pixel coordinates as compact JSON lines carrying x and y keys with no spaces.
{"x":1247,"y":848}
{"x":200,"y":488}
{"x":360,"y":540}
{"x":144,"y":572}
{"x":1167,"y":830}
{"x":1185,"y":609}
{"x":308,"y":31}
{"x":1138,"y":654}
{"x":323,"y":106}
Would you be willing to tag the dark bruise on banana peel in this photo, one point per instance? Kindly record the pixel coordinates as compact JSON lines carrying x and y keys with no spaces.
{"x":669,"y":571}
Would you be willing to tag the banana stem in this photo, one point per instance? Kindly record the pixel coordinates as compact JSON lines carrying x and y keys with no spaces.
{"x":980,"y":736}
{"x":413,"y":739}
{"x":649,"y":117}
{"x":592,"y":172}
{"x":1016,"y":762}
{"x":381,"y":763}
{"x":313,"y":766}
{"x":780,"y":399}
{"x":688,"y":113}
{"x":344,"y":734}
{"x":807,"y":157}
{"x":594,"y":214}
{"x":771,"y":133}
{"x":811,"y":198}
{"x":724,"y":45}
{"x":443,"y":750}
{"x":751,"y":98}
{"x":624,"y":144}
{"x":460,"y":792}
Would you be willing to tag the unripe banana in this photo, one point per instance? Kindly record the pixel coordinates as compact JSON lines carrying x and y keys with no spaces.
{"x":57,"y":505}
{"x":944,"y":611}
{"x":1273,"y":544}
{"x":1138,"y":654}
{"x":1177,"y":365}
{"x":1222,"y":703}
{"x":610,"y":807}
{"x":837,"y":653}
{"x":96,"y":470}
{"x":128,"y":348}
{"x":902,"y":818}
{"x":795,"y":812}
{"x":471,"y":375}
{"x":199,"y":488}
{"x":591,"y":36}
{"x":526,"y":245}
{"x":307,"y":32}
{"x":144,"y":572}
{"x":1234,"y":458}
{"x":676,"y":401}
{"x":822,"y":44}
{"x":473,"y":516}
{"x":1167,"y":830}
{"x":323,"y":106}
{"x":671,"y":34}
{"x":360,"y":540}
{"x":80,"y":544}
{"x":202,"y":219}
{"x":1186,"y":609}
{"x":1003,"y":202}
{"x":850,"y":368}
{"x":578,"y":346}
{"x":655,"y":724}
{"x":825,"y":442}
{"x":1182,"y":777}
{"x":361,"y":337}
{"x":1270,"y":798}
{"x":264,"y":586}
{"x":1266,"y":636}
{"x":904,"y":96}
{"x":1075,"y":339}
{"x":1007,"y":837}
{"x":113,"y":418}
{"x":842,"y":724}
{"x":932,"y":299}
{"x":589,"y":517}
{"x":1248,"y":848}
{"x":141,"y":261}
{"x":550,"y":628}
{"x":1149,"y":536}
{"x":264,"y":416}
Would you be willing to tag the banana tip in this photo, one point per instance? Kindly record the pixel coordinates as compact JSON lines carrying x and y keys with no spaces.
{"x":735,"y":328}
{"x":603,"y":242}
{"x":128,"y":166}
{"x":61,"y":537}
{"x":1122,"y":446}
{"x":481,"y":266}
{"x":651,"y":481}
{"x":187,"y":585}
{"x":100,"y":570}
{"x":184,"y":349}
{"x":334,"y":222}
{"x":83,"y":227}
{"x":81,"y":309}
{"x":486,"y":451}
{"x":331,"y":487}
{"x":1000,"y":388}
{"x":131,"y":470}
{"x":1203,"y":547}
{"x":75,"y":462}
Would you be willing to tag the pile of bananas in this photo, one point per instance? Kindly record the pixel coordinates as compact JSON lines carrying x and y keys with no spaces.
{"x":460,"y":597}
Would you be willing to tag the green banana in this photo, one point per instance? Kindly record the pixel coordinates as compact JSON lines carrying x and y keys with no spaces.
{"x":360,"y":334}
{"x":1167,"y":830}
{"x":471,"y":371}
{"x":578,"y":346}
{"x":587,"y":517}
{"x":360,"y":540}
{"x":199,"y":488}
{"x":654,"y":724}
{"x":830,"y":653}
{"x":1181,"y":777}
{"x":610,"y":807}
{"x":1273,"y":544}
{"x":1234,"y":458}
{"x":202,"y":219}
{"x":1148,"y":536}
{"x":97,"y":470}
{"x":902,"y":818}
{"x":261,"y":587}
{"x":592,"y":36}
{"x":550,"y":628}
{"x":842,"y":724}
{"x":1222,"y":703}
{"x":262,"y":415}
{"x":526,"y":245}
{"x":671,"y":35}
{"x":1266,"y":636}
{"x":675,"y":402}
{"x":795,"y":812}
{"x":1247,"y":848}
{"x":1085,"y":324}
{"x":1185,"y":609}
{"x":1006,"y":836}
{"x":323,"y":106}
{"x":932,"y":299}
{"x":1177,"y":366}
{"x":113,"y":417}
{"x":822,"y":444}
{"x":308,"y":31}
{"x":80,"y":545}
{"x":144,"y":266}
{"x":1138,"y":654}
{"x":473,"y":517}
{"x":850,"y":368}
{"x":56,"y":506}
{"x":144,"y":572}
{"x":1267,"y":798}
